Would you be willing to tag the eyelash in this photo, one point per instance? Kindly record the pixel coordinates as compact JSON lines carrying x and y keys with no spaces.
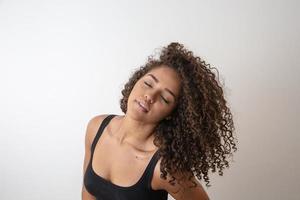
{"x":167,"y":102}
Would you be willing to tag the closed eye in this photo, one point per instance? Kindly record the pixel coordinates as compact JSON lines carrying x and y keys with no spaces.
{"x":147,"y":84}
{"x":167,"y":102}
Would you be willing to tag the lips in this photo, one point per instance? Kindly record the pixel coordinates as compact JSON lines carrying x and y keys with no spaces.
{"x":143,"y":105}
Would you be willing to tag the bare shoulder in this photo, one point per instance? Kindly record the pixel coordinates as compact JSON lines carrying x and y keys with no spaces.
{"x":178,"y":191}
{"x":159,"y":183}
{"x":93,"y":126}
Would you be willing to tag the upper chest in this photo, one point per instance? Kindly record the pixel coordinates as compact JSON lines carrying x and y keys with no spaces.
{"x":120,"y":165}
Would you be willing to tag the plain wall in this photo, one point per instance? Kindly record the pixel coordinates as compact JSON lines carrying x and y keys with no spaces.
{"x":63,"y":62}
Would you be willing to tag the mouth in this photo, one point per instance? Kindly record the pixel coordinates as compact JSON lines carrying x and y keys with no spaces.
{"x":143,"y":106}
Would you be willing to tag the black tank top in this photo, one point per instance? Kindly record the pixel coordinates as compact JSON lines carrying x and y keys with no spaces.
{"x":103,"y":189}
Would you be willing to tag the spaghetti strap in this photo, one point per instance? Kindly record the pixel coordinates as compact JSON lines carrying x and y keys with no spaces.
{"x":104,"y":123}
{"x":150,"y":168}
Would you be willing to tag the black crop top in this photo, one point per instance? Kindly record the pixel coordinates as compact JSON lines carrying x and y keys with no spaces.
{"x":103,"y":189}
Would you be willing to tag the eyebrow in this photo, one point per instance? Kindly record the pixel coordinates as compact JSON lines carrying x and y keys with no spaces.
{"x":157,"y":81}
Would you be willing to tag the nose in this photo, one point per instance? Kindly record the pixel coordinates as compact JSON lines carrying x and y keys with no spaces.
{"x":148,"y":99}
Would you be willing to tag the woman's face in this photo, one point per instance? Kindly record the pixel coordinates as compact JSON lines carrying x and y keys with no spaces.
{"x":154,"y":95}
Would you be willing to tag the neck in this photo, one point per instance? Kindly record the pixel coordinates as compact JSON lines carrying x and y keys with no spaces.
{"x":133,"y":132}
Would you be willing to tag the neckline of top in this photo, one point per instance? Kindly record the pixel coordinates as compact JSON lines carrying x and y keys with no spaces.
{"x":146,"y":171}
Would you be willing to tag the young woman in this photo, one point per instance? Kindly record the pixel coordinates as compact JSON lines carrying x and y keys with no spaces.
{"x":177,"y":126}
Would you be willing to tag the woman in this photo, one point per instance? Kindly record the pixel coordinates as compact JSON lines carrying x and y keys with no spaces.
{"x":176,"y":127}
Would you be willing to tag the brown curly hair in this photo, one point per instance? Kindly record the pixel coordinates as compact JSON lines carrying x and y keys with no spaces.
{"x":199,"y":135}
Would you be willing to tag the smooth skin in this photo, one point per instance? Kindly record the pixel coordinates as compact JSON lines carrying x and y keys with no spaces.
{"x":129,"y":138}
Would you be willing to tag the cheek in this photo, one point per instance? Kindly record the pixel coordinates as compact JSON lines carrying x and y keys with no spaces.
{"x":136,"y":90}
{"x":134,"y":94}
{"x":161,"y":109}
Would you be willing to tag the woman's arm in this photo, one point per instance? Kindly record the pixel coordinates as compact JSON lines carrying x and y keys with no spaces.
{"x":182,"y":191}
{"x":91,"y":131}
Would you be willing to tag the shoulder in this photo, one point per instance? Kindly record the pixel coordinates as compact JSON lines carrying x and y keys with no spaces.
{"x":93,"y":126}
{"x":159,"y":183}
{"x":178,"y":191}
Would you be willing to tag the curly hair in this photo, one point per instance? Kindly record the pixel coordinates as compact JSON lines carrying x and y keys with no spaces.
{"x":199,"y":135}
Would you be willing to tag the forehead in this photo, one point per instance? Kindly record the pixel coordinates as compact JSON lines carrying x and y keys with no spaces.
{"x":167,"y":77}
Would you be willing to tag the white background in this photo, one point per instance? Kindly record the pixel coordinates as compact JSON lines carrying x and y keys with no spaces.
{"x":63,"y":62}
